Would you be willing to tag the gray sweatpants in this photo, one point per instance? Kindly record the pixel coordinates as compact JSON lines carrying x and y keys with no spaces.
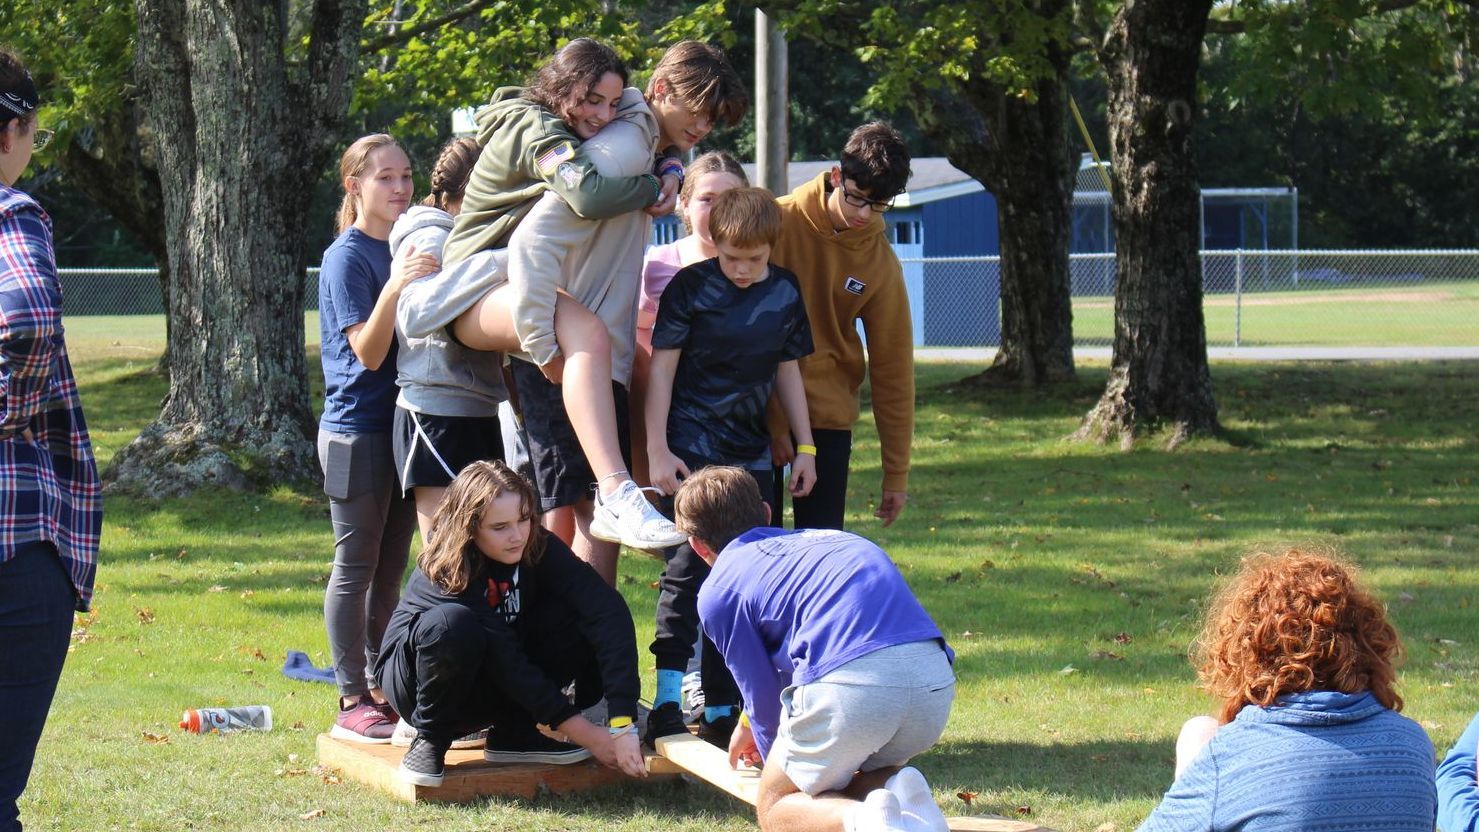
{"x":373,"y":524}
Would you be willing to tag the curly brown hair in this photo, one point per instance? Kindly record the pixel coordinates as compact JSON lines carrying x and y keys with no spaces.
{"x":699,"y":74}
{"x":451,"y":558}
{"x":1291,"y":622}
{"x":876,"y":160}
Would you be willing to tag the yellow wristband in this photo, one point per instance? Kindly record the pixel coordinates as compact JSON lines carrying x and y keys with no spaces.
{"x":806,"y":449}
{"x":619,"y":722}
{"x":744,"y":720}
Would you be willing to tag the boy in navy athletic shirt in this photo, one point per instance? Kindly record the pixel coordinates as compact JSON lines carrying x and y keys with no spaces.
{"x":729,"y":331}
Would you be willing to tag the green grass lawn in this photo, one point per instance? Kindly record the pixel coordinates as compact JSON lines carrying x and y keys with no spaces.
{"x":1436,"y":315}
{"x":1068,"y":578}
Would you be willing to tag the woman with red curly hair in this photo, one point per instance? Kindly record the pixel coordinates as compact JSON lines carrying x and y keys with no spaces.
{"x":1307,"y":735}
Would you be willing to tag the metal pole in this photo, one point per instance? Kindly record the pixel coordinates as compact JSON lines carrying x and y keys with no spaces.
{"x":1238,"y":300}
{"x":771,"y":140}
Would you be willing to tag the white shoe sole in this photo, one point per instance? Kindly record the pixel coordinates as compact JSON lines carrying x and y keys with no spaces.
{"x":600,"y":529}
{"x":418,"y":778}
{"x":339,"y":732}
{"x":553,"y":758}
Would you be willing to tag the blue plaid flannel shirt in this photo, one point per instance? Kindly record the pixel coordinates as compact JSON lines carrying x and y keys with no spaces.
{"x":49,"y":486}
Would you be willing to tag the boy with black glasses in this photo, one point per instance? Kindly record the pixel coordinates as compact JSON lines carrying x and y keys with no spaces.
{"x":832,"y":238}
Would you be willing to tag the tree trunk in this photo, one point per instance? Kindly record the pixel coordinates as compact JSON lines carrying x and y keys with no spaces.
{"x":1018,"y":149}
{"x":1158,"y":376}
{"x":238,"y":131}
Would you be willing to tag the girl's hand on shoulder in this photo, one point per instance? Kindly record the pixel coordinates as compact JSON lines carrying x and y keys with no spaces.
{"x":412,"y":265}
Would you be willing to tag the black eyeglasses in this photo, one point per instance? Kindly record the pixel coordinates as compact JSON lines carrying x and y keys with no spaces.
{"x":859,"y":201}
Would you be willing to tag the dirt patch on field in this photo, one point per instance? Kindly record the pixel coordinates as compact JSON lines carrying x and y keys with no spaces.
{"x":1301,"y":299}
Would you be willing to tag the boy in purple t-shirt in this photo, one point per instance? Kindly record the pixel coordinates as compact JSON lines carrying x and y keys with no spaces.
{"x":845,"y":677}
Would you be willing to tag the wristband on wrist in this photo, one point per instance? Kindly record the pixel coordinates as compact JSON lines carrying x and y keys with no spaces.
{"x":623,"y":730}
{"x":744,"y":720}
{"x":810,"y":450}
{"x":619,"y":722}
{"x":671,"y":165}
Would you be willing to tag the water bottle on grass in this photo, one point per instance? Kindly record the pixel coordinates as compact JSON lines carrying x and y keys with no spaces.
{"x":225,"y":720}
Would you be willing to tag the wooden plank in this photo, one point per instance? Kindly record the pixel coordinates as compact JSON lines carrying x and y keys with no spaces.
{"x":711,"y":765}
{"x":469,"y":776}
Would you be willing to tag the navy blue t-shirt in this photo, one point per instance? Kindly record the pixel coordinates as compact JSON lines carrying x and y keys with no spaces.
{"x":733,"y":340}
{"x":355,"y":268}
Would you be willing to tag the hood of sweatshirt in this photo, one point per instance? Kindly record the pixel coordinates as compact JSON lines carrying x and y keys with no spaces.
{"x":415,"y":219}
{"x":811,"y":198}
{"x":1316,"y":708}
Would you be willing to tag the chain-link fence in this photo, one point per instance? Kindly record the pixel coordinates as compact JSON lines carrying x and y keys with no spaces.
{"x":1251,"y":298}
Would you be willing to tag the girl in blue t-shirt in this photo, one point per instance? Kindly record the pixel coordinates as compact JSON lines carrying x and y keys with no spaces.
{"x":372,"y":521}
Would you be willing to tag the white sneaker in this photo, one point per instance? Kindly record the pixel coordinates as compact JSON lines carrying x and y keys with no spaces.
{"x":693,"y":696}
{"x":916,"y":801}
{"x":627,"y":518}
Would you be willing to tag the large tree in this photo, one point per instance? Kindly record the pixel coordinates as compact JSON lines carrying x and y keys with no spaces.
{"x":243,"y":109}
{"x":1158,"y":374}
{"x":986,"y":82}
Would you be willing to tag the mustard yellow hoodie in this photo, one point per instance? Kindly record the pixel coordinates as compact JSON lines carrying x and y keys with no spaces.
{"x":846,"y":276}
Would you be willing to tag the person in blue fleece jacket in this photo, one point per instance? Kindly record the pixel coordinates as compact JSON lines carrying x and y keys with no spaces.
{"x":1458,"y":784}
{"x":1307,"y":738}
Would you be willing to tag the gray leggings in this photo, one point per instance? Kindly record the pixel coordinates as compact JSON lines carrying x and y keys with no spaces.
{"x":373,"y":524}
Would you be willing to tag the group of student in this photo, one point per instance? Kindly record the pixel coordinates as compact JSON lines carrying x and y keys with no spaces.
{"x":819,"y":663}
{"x":734,"y":349}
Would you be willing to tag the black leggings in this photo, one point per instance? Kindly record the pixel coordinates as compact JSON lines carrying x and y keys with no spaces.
{"x":445,"y":678}
{"x":826,"y":505}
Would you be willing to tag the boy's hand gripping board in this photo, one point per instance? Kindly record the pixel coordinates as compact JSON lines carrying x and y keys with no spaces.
{"x":711,"y":765}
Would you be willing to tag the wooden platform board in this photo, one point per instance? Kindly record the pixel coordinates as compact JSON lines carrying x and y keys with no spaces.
{"x":711,"y":764}
{"x":469,"y":776}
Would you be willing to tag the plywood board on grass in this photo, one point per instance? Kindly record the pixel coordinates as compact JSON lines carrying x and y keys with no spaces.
{"x":469,"y":777}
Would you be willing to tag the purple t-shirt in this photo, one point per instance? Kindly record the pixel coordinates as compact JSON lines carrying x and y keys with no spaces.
{"x":787,"y":607}
{"x":357,"y":399}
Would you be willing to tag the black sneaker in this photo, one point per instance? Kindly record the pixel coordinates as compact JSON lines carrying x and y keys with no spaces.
{"x":424,"y":763}
{"x":718,"y":731}
{"x":530,"y":746}
{"x":664,"y":721}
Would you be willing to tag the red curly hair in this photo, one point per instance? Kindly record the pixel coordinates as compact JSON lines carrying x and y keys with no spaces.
{"x":1292,"y":622}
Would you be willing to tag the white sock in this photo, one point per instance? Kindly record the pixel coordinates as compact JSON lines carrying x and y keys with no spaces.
{"x":916,"y":802}
{"x":878,"y":812}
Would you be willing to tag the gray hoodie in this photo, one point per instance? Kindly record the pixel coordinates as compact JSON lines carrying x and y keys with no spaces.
{"x":438,"y":376}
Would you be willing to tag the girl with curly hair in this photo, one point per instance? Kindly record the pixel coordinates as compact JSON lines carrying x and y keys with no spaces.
{"x":1307,"y":736}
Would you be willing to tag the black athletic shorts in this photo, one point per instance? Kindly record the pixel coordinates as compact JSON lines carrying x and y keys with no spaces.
{"x":431,"y":450}
{"x":562,"y":475}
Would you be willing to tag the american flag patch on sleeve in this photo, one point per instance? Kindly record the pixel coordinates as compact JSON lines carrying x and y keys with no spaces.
{"x":551,"y":159}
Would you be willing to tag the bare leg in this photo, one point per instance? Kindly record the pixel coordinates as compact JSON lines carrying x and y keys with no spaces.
{"x":781,"y":807}
{"x":1195,"y":734}
{"x":637,"y":396}
{"x":600,"y":554}
{"x":586,"y":381}
{"x":488,"y":325}
{"x":560,"y":522}
{"x":428,"y":498}
{"x":586,"y":387}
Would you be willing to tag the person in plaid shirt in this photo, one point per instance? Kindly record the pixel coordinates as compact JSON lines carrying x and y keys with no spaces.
{"x":51,"y":513}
